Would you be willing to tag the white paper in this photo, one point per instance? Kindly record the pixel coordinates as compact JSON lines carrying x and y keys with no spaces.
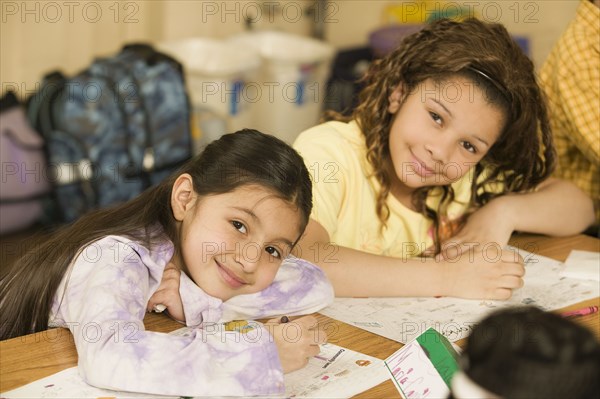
{"x":403,"y":319}
{"x":414,"y":375}
{"x":583,"y":265}
{"x":335,"y":373}
{"x":67,"y":384}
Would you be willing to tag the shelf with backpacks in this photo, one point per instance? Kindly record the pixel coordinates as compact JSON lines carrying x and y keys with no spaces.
{"x":113,"y":130}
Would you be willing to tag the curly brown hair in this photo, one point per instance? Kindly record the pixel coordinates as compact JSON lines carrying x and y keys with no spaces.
{"x":484,"y":53}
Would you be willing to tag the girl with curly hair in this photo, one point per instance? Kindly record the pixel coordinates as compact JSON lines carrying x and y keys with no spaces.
{"x":448,"y":152}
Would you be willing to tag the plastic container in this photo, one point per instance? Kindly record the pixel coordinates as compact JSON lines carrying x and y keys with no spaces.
{"x":524,"y":44}
{"x":292,"y":83}
{"x":217,"y":75}
{"x":384,"y":40}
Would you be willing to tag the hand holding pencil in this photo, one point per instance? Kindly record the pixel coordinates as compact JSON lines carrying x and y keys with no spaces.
{"x":296,"y":340}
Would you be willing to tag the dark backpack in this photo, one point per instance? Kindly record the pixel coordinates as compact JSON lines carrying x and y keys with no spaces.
{"x":23,"y":185}
{"x":113,"y":130}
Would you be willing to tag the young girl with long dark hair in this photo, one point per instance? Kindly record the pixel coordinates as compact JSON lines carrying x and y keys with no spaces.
{"x":227,"y":222}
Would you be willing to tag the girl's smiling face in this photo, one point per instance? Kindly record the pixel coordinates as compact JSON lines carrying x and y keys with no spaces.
{"x":233,"y":243}
{"x":439,"y":132}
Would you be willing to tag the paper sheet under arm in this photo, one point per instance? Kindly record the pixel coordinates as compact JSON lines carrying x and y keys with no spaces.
{"x":403,"y":319}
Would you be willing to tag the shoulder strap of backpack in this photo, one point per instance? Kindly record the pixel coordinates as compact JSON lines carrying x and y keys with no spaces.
{"x":39,"y":105}
{"x":151,"y":56}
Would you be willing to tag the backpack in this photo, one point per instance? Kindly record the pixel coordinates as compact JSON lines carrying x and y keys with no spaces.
{"x":113,"y":130}
{"x":23,"y":185}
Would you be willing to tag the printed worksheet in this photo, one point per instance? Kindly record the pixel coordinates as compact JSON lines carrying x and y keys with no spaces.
{"x":403,"y":319}
{"x":335,"y":373}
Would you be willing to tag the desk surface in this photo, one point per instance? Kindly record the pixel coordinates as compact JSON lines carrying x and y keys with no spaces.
{"x":31,"y":357}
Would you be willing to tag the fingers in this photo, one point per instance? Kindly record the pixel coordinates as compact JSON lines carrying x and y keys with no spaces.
{"x":310,"y":325}
{"x":167,"y":297}
{"x":512,"y":264}
{"x":297,"y":340}
{"x":313,"y":350}
{"x":170,"y":274}
{"x":510,"y":282}
{"x":159,"y":301}
{"x":501,"y":294}
{"x":303,"y":328}
{"x":167,"y":293}
{"x":508,"y":255}
{"x":510,"y":276}
{"x":513,"y":269}
{"x":304,"y":322}
{"x":488,"y":274}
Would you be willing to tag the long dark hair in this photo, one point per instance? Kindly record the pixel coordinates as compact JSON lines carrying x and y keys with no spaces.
{"x":484,"y":53}
{"x":234,"y":160}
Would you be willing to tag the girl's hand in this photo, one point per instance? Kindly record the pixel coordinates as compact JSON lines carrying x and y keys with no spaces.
{"x":481,"y":275}
{"x":167,"y":295}
{"x":487,"y":229}
{"x":297,"y":341}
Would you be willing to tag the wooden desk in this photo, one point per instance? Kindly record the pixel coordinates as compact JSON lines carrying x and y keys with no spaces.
{"x":31,"y":357}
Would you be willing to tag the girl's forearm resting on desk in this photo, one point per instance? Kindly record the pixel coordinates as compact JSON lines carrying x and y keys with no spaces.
{"x":357,"y":273}
{"x":557,"y":208}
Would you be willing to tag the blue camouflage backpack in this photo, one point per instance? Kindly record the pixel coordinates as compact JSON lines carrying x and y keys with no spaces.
{"x":113,"y":130}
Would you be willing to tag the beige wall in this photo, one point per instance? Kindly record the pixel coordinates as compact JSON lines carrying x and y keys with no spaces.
{"x":542,"y":21}
{"x":39,"y":36}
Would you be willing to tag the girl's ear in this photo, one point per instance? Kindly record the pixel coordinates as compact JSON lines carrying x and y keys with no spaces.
{"x":395,"y":99}
{"x":182,"y":196}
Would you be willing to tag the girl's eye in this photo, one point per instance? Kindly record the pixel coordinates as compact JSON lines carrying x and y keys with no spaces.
{"x":436,"y":118}
{"x":469,"y":147}
{"x":273,"y":252}
{"x":239,"y":226}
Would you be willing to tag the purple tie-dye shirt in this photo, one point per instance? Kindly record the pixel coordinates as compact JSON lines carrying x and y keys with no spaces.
{"x":103,"y":298}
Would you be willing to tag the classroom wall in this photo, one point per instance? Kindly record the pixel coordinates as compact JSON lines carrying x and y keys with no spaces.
{"x":39,"y":36}
{"x":542,"y":21}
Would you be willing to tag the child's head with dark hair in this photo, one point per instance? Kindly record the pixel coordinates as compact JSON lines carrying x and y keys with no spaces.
{"x":528,"y":353}
{"x":248,"y":166}
{"x":247,"y":157}
{"x":250,"y":157}
{"x":473,"y":57}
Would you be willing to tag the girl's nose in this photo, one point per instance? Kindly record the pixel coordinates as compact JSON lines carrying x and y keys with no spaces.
{"x":440,"y":150}
{"x":249,"y":257}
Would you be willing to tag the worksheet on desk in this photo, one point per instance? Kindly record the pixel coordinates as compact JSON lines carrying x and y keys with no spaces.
{"x":67,"y":384}
{"x":335,"y":373}
{"x":403,"y":319}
